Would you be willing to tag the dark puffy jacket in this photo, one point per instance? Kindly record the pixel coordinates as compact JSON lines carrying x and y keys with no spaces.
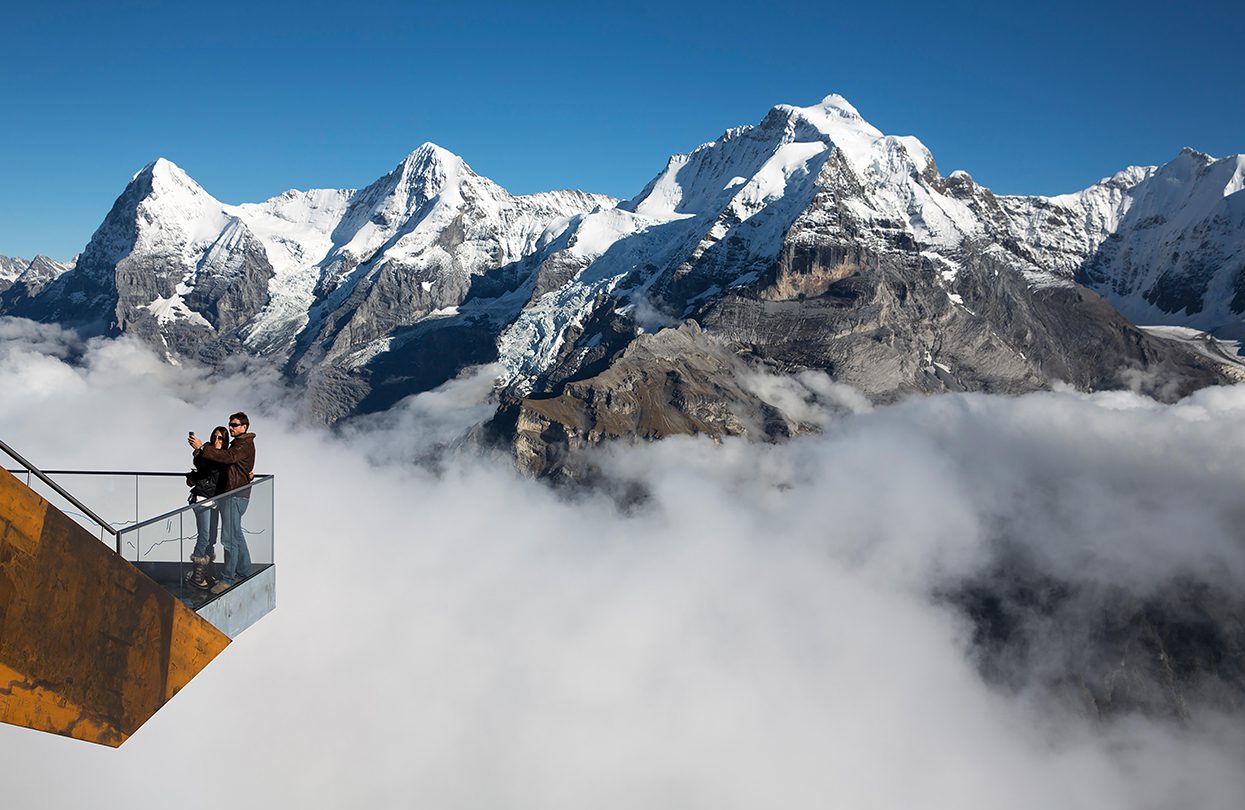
{"x":207,"y":478}
{"x":239,"y":459}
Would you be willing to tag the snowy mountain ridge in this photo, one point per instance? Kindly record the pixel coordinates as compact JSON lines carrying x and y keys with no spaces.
{"x":367,"y":295}
{"x":1163,"y":244}
{"x":744,"y":189}
{"x":36,"y":272}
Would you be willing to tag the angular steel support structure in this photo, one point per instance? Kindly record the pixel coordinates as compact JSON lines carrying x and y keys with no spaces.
{"x":89,"y":646}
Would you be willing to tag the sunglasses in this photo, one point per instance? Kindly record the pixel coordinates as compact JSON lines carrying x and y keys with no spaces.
{"x":235,"y":424}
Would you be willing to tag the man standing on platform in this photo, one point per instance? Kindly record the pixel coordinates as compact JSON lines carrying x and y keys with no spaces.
{"x":240,"y":458}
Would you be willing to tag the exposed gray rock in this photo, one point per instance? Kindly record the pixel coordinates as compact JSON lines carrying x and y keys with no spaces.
{"x":10,"y":268}
{"x":809,"y":241}
{"x":1164,"y":245}
{"x":1102,"y":650}
{"x":678,"y":381}
{"x":31,"y":276}
{"x":877,"y":316}
{"x":140,"y":272}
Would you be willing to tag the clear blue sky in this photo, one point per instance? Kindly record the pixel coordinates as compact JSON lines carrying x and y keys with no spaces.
{"x":1037,"y":98}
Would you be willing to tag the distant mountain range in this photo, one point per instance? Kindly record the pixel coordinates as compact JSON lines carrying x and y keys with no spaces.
{"x":808,"y":241}
{"x":34,"y":274}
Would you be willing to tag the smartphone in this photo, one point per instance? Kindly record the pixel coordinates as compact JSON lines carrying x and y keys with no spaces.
{"x":192,"y":433}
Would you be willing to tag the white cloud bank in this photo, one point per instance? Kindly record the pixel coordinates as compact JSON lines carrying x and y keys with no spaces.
{"x":761,"y":632}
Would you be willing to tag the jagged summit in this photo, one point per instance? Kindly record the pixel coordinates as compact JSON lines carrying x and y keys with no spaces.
{"x":747,"y":166}
{"x":428,"y":156}
{"x":33,"y":274}
{"x":811,"y":236}
{"x":164,"y":173}
{"x":833,"y":114}
{"x":426,"y":172}
{"x":11,"y":267}
{"x":165,"y":206}
{"x":834,"y":101}
{"x":160,"y":165}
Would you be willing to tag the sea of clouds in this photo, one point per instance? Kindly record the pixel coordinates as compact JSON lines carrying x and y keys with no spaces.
{"x":762,"y":629}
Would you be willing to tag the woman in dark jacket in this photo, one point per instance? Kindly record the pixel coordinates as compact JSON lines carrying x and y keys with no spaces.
{"x":208,"y":480}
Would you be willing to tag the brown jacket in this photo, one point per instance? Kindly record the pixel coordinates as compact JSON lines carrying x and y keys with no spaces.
{"x":240,"y":456}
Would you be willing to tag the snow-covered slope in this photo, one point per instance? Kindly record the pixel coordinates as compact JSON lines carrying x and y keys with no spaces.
{"x":722,"y":217}
{"x":1166,"y":245}
{"x":11,"y":267}
{"x":33,"y":274}
{"x":409,"y":245}
{"x":717,"y":217}
{"x":402,"y":283}
{"x":202,"y":277}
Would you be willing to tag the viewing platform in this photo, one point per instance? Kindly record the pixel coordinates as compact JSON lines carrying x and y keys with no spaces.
{"x":99,"y":623}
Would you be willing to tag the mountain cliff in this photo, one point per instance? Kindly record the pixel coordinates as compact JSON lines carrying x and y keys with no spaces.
{"x":31,"y":275}
{"x":808,"y":241}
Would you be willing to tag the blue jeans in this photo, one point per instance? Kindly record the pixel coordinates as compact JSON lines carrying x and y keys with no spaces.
{"x":237,"y":555}
{"x":208,"y":520}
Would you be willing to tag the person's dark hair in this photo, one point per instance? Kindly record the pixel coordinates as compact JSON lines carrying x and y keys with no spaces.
{"x":224,"y":434}
{"x":240,"y":417}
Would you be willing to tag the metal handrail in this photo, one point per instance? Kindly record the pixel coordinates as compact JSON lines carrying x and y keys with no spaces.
{"x":110,"y":472}
{"x":59,"y":490}
{"x":259,"y":479}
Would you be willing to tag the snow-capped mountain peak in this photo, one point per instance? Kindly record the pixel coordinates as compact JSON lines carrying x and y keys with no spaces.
{"x":428,"y":171}
{"x":836,"y":103}
{"x":33,"y":274}
{"x":166,"y":170}
{"x":11,"y":267}
{"x":833,"y":116}
{"x":427,"y":180}
{"x":175,"y":209}
{"x":752,"y":161}
{"x":428,"y":157}
{"x":867,"y":150}
{"x":375,"y":283}
{"x":749,"y":166}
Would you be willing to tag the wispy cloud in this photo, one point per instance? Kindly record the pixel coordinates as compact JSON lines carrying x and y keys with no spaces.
{"x":768,"y":627}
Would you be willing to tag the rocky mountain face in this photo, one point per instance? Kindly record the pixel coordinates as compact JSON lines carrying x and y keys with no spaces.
{"x":814,"y":241}
{"x":10,"y":269}
{"x":1164,"y":245}
{"x":1101,"y":650}
{"x":808,"y":241}
{"x":32,"y":275}
{"x":307,"y":279}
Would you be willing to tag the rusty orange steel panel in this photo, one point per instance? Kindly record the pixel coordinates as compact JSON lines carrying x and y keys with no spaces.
{"x":89,"y":647}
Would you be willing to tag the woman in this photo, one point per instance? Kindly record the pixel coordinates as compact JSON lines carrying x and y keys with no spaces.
{"x":208,"y":479}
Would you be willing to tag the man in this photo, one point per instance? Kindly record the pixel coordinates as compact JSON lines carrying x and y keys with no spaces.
{"x":240,"y":460}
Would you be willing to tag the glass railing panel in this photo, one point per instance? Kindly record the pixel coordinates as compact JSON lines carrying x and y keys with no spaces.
{"x":168,"y":539}
{"x":173,"y":537}
{"x":157,"y":494}
{"x":161,"y":549}
{"x":246,"y":512}
{"x":109,"y":496}
{"x":258,"y":523}
{"x":121,"y":499}
{"x":157,"y":528}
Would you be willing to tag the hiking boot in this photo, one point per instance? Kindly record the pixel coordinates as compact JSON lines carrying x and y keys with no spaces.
{"x":220,"y":587}
{"x":198,"y":577}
